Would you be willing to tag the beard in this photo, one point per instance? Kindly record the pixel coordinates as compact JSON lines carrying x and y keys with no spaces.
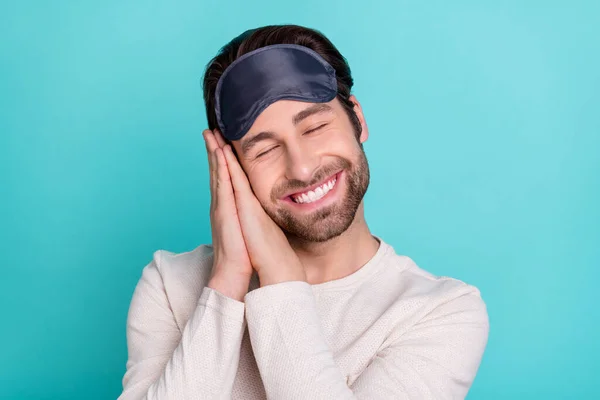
{"x":327,"y":222}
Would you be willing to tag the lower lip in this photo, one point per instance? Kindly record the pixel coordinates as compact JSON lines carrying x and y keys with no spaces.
{"x":329,"y":198}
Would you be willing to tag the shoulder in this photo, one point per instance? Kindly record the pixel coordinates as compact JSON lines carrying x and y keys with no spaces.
{"x":419,"y":290}
{"x":184,"y":263}
{"x":439,"y":287}
{"x":177,"y":278}
{"x":438,"y":323}
{"x":185,"y":268}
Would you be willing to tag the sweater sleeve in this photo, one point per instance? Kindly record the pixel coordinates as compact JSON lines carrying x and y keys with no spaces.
{"x":165,"y":362}
{"x":437,"y":358}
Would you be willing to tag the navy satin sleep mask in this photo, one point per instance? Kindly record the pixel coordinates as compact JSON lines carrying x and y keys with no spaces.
{"x":259,"y":78}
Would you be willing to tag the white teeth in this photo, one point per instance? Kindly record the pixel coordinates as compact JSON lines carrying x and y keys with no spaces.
{"x":319,"y":192}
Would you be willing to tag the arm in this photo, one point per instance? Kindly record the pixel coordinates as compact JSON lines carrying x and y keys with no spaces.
{"x":437,"y":358}
{"x":199,"y":361}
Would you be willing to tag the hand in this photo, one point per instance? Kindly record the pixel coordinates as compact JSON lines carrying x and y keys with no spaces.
{"x":232,"y":269}
{"x":270,"y":252}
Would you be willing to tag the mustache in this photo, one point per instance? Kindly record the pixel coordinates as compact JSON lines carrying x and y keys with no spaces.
{"x":296,"y":185}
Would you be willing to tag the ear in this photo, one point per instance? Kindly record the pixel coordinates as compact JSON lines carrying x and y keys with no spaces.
{"x":364,"y":134}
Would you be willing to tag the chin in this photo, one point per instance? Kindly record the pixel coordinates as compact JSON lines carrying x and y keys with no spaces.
{"x":327,"y":215}
{"x":320,"y":225}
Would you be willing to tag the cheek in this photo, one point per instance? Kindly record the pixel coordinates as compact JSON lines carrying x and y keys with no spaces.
{"x":262,"y":185}
{"x":341,"y":141}
{"x":342,"y":147}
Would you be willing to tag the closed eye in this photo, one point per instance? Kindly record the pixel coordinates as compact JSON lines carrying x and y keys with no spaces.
{"x":266,"y":151}
{"x":316,"y":129}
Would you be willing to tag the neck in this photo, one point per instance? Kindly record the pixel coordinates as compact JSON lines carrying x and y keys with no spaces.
{"x":339,"y":256}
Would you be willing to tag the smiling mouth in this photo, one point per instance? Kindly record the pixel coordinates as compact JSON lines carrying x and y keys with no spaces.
{"x":315,"y":194}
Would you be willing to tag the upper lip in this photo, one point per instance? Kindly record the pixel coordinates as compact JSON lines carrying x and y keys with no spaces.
{"x":313,"y":187}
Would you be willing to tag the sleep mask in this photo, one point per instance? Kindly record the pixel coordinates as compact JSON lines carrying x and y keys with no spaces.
{"x":263,"y":76}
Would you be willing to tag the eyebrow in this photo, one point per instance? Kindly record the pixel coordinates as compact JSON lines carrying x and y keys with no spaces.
{"x":319,"y":108}
{"x":250,"y":143}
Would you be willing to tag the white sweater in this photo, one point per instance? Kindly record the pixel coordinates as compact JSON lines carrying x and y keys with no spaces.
{"x":388,"y":331}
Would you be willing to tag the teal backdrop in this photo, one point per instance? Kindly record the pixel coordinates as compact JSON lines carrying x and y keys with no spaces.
{"x":484,"y":152}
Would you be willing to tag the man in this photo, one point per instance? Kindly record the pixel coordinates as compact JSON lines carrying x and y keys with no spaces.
{"x":295,"y":299}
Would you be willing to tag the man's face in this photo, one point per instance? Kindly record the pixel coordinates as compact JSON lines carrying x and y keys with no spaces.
{"x":306,"y":166}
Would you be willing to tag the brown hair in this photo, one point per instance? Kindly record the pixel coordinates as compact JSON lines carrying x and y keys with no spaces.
{"x":279,"y":34}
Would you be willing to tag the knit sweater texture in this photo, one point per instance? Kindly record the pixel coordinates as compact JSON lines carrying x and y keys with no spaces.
{"x":390,"y":330}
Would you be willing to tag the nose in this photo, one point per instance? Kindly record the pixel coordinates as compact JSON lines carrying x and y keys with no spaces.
{"x":302,"y":162}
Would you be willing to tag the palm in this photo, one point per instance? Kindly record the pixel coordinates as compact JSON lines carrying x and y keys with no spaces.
{"x":228,"y":242}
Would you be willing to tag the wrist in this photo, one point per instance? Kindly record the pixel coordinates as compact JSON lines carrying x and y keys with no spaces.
{"x":234,"y":287}
{"x":287,"y":275}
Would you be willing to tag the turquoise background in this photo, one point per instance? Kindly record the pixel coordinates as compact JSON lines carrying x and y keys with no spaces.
{"x":484,"y":150}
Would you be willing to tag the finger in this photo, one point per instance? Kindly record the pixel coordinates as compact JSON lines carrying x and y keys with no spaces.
{"x":205,"y":134}
{"x":239,"y":181}
{"x":211,"y":141}
{"x":212,"y":166}
{"x":224,"y":190}
{"x":220,"y":140}
{"x":214,"y":172}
